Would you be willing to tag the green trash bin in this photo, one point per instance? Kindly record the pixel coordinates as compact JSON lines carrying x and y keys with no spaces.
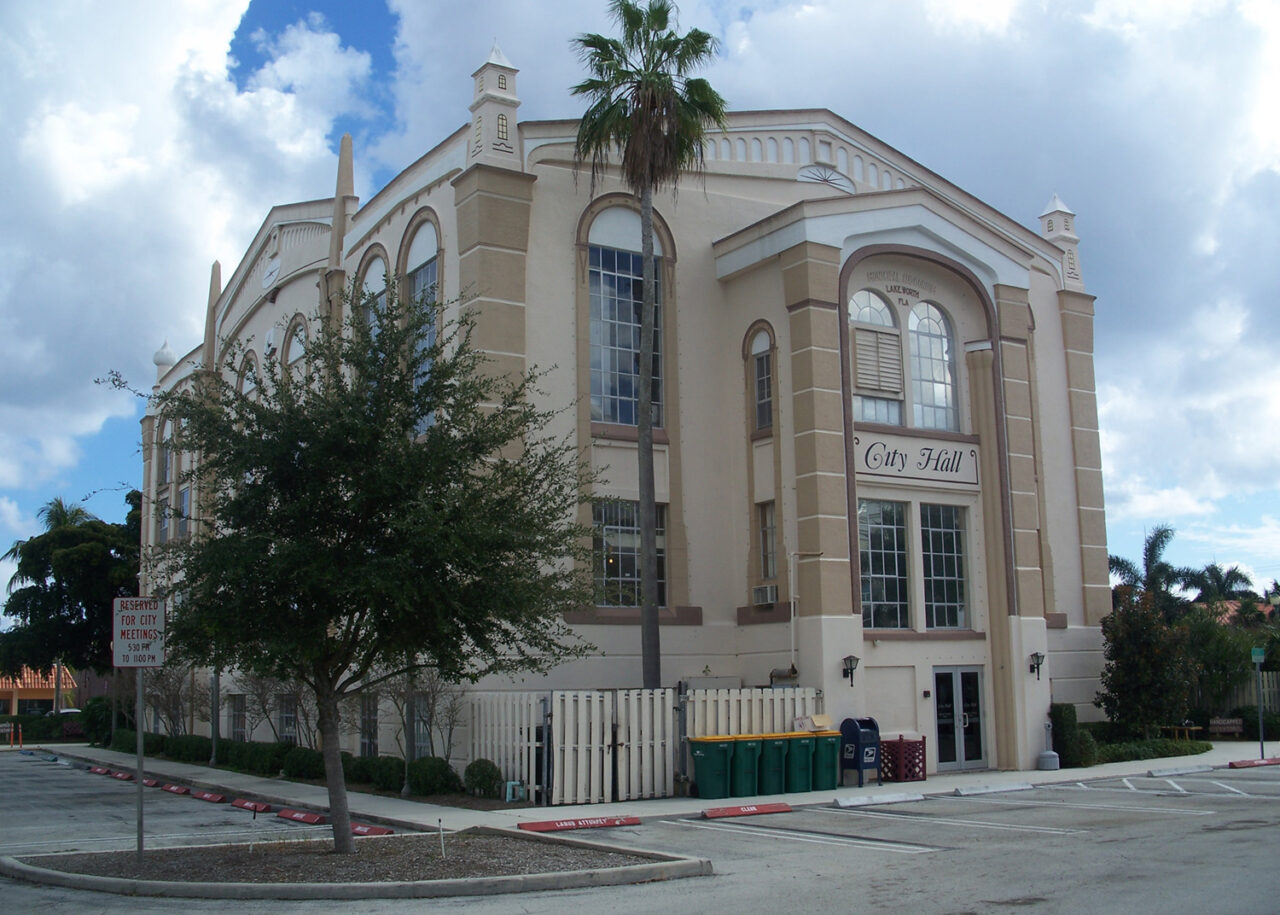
{"x":744,"y":778}
{"x":826,"y":760}
{"x":773,"y":763}
{"x":800,"y":762}
{"x":711,"y":756}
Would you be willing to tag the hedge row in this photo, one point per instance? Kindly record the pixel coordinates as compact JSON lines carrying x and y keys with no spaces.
{"x":1151,"y":749}
{"x":430,"y":775}
{"x":1075,"y":747}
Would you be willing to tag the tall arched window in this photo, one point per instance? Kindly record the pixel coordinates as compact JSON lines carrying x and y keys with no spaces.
{"x":422,"y":279}
{"x":762,"y":376}
{"x":295,"y":342}
{"x":933,"y":376}
{"x":616,"y":291}
{"x":877,"y":353}
{"x":373,"y":285}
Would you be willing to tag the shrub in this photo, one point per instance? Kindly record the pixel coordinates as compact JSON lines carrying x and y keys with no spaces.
{"x":1087,"y":748}
{"x":388,"y":773}
{"x":1249,"y":714}
{"x":124,"y":740}
{"x":96,"y":720}
{"x":483,"y":779}
{"x":1151,"y":749}
{"x":433,"y":775}
{"x":303,"y":762}
{"x":190,"y":748}
{"x":269,"y":758}
{"x":360,"y":770}
{"x":1066,"y":734}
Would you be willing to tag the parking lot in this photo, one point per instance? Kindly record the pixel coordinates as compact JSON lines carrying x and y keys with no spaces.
{"x":1169,"y":843}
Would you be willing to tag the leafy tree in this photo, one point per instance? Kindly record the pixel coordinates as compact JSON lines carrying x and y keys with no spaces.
{"x":1218,"y":584}
{"x":61,"y":594}
{"x":1219,"y":656}
{"x":1156,"y":580}
{"x":1147,"y":676}
{"x":393,"y":505}
{"x":643,"y":102}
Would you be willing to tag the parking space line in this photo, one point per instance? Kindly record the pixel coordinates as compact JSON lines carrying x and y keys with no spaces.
{"x":811,"y":838}
{"x":1177,"y":811}
{"x":1236,"y":790}
{"x":951,"y":821}
{"x":1128,"y":784}
{"x":1176,"y":785}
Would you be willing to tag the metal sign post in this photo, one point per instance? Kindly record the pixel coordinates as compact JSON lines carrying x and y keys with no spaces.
{"x":1258,"y":656}
{"x":138,"y":642}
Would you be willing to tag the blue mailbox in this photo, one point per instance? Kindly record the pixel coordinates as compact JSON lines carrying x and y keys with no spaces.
{"x":860,"y":747}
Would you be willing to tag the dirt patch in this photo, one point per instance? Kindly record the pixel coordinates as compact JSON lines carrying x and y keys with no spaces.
{"x":377,"y":859}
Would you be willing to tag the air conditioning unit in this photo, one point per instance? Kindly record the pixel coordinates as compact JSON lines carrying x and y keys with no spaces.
{"x":765,"y":595}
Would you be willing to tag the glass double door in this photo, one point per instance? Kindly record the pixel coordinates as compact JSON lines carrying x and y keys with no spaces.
{"x":957,"y":703}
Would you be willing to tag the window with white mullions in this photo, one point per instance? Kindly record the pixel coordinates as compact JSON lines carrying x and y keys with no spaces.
{"x":933,"y":386}
{"x":882,"y":548}
{"x":942,"y":536}
{"x":877,"y":351}
{"x":768,"y":541}
{"x":617,"y":553}
{"x":616,"y":292}
{"x":762,"y":371}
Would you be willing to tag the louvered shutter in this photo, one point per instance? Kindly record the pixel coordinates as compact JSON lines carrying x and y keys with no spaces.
{"x":877,"y":360}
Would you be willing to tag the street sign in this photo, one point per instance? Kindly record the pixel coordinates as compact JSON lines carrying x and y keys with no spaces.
{"x":1258,"y":655}
{"x":138,"y":632}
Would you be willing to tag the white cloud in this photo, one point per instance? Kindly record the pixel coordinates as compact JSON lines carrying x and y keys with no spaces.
{"x":992,"y":16}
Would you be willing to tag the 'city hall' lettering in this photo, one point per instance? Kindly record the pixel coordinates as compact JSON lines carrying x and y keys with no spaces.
{"x":901,"y":458}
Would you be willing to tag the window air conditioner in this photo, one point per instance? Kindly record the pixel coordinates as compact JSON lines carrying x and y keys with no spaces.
{"x":764,"y":595}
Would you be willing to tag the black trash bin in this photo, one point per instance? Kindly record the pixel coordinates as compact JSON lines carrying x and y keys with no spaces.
{"x":860,"y":747}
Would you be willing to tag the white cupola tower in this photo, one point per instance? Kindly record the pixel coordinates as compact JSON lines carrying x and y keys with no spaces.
{"x":1058,"y":225}
{"x":494,"y":139}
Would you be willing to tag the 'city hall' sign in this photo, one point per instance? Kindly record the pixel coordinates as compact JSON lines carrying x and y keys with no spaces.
{"x":897,"y":457}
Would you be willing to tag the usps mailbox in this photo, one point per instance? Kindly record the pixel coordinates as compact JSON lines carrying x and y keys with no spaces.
{"x":860,"y":747}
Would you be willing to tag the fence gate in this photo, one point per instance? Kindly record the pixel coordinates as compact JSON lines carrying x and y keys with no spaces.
{"x":581,"y":747}
{"x":506,"y":729}
{"x":646,"y":743}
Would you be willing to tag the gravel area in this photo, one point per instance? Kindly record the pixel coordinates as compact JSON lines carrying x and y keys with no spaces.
{"x":377,"y":859}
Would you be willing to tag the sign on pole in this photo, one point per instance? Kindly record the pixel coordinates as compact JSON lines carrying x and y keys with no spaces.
{"x":1258,"y":655}
{"x":138,"y":632}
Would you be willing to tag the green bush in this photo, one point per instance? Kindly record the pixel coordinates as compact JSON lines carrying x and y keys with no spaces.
{"x":1087,"y":748}
{"x":126,"y":741}
{"x":191,"y":748}
{"x":359,"y":771}
{"x":303,"y":762}
{"x":483,"y":779}
{"x":1151,"y":749}
{"x":1066,"y":734}
{"x":433,"y":775}
{"x":34,"y":727}
{"x":1104,"y":731}
{"x":1249,"y":714}
{"x":388,"y":773}
{"x":95,"y":718}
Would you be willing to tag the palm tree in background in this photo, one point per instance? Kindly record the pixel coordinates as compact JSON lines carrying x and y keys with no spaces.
{"x":645,"y":107}
{"x":1156,"y":581}
{"x":1219,"y":584}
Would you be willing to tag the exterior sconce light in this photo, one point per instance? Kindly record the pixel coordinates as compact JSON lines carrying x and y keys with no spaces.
{"x":1037,"y":658}
{"x":848,"y":665}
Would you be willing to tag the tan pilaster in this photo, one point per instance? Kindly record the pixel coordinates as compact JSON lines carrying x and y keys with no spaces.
{"x":1025,"y":498}
{"x":810,"y":277}
{"x":1076,"y":309}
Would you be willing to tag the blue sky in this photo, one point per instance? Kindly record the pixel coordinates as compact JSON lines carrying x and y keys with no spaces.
{"x":148,"y":140}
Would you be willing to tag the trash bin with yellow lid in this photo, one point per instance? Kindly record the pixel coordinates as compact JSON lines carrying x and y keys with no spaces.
{"x":826,"y":760}
{"x":773,"y":763}
{"x":744,"y":770}
{"x":800,"y":761}
{"x":711,"y":759}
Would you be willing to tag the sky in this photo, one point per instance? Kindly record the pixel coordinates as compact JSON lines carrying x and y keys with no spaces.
{"x":148,"y":139}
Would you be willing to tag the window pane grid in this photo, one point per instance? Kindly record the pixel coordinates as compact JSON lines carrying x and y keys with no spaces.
{"x":882,"y":547}
{"x":617,"y":552}
{"x":616,"y":290}
{"x":877,"y":410}
{"x":768,"y":541}
{"x":764,"y":392}
{"x":932,"y":372}
{"x":942,"y":554}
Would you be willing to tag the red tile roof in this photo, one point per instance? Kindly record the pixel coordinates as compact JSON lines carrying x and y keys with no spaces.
{"x":30,"y":679}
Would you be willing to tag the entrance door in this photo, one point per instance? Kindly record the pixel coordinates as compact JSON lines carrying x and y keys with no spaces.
{"x":958,"y":703}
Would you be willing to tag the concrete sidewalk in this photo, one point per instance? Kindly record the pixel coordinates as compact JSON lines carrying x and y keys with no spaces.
{"x":407,"y":814}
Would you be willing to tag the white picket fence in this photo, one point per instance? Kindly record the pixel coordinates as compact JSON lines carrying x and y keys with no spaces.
{"x":622,"y":744}
{"x":1247,"y":693}
{"x":716,"y":712}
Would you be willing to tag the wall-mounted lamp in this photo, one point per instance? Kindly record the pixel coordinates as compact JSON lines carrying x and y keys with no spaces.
{"x":848,"y":665}
{"x":1037,"y":658}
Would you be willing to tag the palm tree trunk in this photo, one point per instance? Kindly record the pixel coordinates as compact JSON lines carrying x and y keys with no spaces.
{"x":650,"y":648}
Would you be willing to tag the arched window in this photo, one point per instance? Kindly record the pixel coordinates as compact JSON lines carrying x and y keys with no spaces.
{"x":164,"y":457}
{"x":762,"y":376}
{"x":933,"y":376}
{"x":877,"y":353}
{"x":616,"y":291}
{"x":422,"y":280}
{"x":374,"y":288}
{"x":295,"y":342}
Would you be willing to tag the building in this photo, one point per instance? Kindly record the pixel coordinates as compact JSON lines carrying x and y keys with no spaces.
{"x":878,"y":421}
{"x":35,"y":693}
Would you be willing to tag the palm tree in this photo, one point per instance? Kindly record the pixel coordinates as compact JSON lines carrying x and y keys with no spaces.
{"x":644,"y":104}
{"x":1219,"y":584}
{"x":55,"y":514}
{"x":1157,"y":579}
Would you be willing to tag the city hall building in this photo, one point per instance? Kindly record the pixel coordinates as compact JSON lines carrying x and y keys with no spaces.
{"x":877,"y":431}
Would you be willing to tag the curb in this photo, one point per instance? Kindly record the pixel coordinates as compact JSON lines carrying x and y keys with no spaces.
{"x":1178,"y":770}
{"x":867,"y":801}
{"x":664,"y":867}
{"x":992,"y":789}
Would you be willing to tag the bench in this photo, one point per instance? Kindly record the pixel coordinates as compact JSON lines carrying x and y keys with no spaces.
{"x":1226,"y":727}
{"x":1181,"y":731}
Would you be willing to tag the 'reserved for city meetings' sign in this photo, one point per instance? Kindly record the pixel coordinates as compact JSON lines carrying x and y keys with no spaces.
{"x":138,"y":632}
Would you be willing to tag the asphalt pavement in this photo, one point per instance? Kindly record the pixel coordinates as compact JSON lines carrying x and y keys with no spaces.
{"x":408,"y":814}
